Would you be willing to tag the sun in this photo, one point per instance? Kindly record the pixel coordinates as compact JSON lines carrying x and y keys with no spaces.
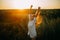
{"x":20,"y":4}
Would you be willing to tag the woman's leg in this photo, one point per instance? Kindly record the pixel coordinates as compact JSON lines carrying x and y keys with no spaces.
{"x":33,"y":39}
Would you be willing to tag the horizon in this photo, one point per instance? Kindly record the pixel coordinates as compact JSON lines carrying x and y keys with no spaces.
{"x":28,"y":9}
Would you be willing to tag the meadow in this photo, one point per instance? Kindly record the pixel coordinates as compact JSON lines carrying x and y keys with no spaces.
{"x":13,"y":24}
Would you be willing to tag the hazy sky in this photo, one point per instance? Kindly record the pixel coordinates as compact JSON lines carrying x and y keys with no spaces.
{"x":22,"y":4}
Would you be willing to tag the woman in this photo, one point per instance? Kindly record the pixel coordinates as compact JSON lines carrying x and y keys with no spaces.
{"x":32,"y":24}
{"x":39,"y":17}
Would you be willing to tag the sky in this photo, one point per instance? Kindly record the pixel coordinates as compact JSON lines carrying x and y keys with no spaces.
{"x":24,"y":4}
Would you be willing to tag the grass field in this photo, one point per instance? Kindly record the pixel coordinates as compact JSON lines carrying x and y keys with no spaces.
{"x":13,"y":25}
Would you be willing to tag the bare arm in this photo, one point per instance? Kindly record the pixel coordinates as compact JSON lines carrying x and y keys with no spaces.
{"x":31,"y":7}
{"x":36,"y":14}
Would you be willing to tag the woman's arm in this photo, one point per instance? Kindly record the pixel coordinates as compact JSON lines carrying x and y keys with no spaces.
{"x":36,"y":14}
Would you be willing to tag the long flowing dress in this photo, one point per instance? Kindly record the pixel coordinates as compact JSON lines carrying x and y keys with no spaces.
{"x":31,"y":27}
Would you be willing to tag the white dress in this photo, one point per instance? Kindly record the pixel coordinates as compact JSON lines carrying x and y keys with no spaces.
{"x":31,"y":28}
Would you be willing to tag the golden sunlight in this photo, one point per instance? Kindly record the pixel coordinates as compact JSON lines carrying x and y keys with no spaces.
{"x":25,"y":4}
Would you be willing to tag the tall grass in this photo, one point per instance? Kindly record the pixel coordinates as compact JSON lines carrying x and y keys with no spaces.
{"x":16,"y":29}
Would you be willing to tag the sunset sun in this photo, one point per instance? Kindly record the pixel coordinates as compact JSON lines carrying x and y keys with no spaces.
{"x":20,"y":4}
